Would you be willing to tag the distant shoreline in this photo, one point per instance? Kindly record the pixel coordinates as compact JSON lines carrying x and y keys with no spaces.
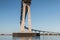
{"x":40,"y":34}
{"x":6,"y":34}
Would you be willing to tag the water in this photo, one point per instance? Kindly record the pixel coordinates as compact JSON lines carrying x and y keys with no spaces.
{"x":30,"y":38}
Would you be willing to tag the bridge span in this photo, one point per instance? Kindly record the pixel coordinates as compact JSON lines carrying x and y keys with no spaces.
{"x":43,"y":32}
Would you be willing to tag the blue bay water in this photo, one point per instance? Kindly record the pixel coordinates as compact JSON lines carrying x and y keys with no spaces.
{"x":30,"y":38}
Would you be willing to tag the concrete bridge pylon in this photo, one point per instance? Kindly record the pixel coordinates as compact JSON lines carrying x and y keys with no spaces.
{"x":25,"y":10}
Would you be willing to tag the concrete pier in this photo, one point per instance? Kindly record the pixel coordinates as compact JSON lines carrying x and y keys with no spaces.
{"x":25,"y":9}
{"x":25,"y":34}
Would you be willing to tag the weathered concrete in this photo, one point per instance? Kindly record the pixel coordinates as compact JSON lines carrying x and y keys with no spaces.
{"x":25,"y":34}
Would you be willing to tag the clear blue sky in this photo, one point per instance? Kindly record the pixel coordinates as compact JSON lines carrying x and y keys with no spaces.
{"x":45,"y":15}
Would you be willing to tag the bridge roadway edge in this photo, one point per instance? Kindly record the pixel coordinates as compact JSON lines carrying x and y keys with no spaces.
{"x":25,"y":34}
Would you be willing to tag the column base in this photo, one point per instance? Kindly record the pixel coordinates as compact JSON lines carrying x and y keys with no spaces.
{"x":25,"y":34}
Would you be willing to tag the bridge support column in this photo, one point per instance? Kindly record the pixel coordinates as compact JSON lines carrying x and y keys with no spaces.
{"x":23,"y":18}
{"x":29,"y":19}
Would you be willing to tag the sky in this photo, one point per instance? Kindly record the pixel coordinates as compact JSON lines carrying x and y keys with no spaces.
{"x":45,"y":15}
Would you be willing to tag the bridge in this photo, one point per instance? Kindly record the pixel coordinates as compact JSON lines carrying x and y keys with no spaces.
{"x":43,"y":32}
{"x":25,"y":9}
